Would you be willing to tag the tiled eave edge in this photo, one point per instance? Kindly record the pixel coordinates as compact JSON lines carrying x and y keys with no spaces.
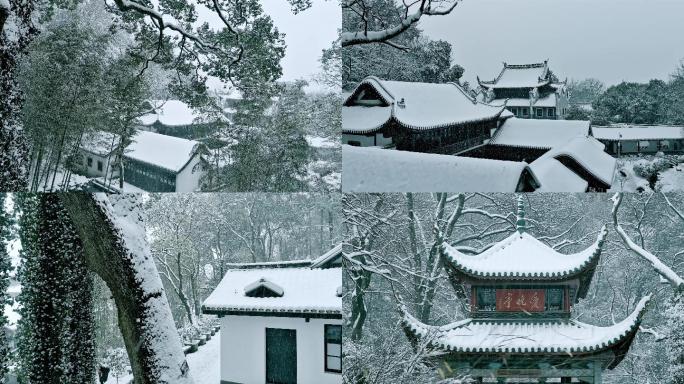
{"x":447,"y":251}
{"x":422,"y":128}
{"x":431,"y":336}
{"x":272,"y":312}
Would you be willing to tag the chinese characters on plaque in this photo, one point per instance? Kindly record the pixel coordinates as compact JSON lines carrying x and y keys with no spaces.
{"x":520,"y":300}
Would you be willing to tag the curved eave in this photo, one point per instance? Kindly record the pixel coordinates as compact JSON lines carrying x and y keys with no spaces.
{"x":454,"y":260}
{"x":607,"y":183}
{"x":435,"y":337}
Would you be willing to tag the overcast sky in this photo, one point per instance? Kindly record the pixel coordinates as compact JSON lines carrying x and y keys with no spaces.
{"x":306,"y":33}
{"x":612,"y":40}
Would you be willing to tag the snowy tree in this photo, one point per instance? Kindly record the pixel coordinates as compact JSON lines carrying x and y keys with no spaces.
{"x":111,"y":229}
{"x":371,"y":27}
{"x":61,"y":105}
{"x":17,"y":29}
{"x":56,"y":332}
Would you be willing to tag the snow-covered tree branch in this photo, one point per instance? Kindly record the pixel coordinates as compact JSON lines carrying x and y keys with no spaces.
{"x":663,"y":270}
{"x":412,"y":13}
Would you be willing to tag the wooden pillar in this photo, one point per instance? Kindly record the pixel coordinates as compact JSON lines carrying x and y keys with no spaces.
{"x":597,"y":372}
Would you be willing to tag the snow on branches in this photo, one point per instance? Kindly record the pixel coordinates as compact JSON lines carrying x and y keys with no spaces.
{"x":663,"y":270}
{"x":363,"y":9}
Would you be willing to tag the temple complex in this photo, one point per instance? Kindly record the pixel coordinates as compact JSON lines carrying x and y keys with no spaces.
{"x":521,"y":293}
{"x":529,"y":91}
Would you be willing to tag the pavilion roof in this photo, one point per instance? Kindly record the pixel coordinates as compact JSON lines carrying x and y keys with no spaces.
{"x":415,"y":105}
{"x":566,"y":337}
{"x":590,"y":154}
{"x":520,"y":76}
{"x":368,"y":169}
{"x":520,"y":256}
{"x":539,"y":133}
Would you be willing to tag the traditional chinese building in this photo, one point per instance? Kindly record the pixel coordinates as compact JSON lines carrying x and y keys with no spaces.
{"x":529,"y":91}
{"x":420,"y":117}
{"x":521,"y":293}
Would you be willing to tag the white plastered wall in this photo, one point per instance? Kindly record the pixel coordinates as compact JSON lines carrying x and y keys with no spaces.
{"x":243,"y":349}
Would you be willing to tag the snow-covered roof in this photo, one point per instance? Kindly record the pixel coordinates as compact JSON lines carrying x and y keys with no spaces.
{"x":534,"y":133}
{"x":416,"y":105}
{"x":100,"y":143}
{"x":329,"y":258}
{"x":588,"y":153}
{"x":368,"y":169}
{"x":358,"y":119}
{"x":306,"y":291}
{"x":169,"y":112}
{"x":656,"y":132}
{"x":520,"y":76}
{"x":167,"y":152}
{"x":522,"y":256}
{"x":556,"y":177}
{"x":557,"y":337}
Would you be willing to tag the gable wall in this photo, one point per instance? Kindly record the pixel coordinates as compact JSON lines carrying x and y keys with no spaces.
{"x":243,"y":353}
{"x":188,"y":179}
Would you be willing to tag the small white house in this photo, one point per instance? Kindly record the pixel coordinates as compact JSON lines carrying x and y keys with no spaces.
{"x":96,"y":158}
{"x":152,"y":162}
{"x":161,"y":163}
{"x":281,"y":322}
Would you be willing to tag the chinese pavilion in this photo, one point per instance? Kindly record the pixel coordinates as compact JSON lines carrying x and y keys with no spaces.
{"x":520,"y":329}
{"x":532,"y":91}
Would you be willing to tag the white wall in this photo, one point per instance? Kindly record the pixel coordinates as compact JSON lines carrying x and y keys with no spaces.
{"x":243,"y":352}
{"x":188,"y":179}
{"x":92,"y":170}
{"x":367,"y":141}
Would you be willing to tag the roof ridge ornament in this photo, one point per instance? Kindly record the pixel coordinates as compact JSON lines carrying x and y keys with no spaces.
{"x":520,"y":224}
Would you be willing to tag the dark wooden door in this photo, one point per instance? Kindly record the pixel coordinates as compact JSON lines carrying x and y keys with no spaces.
{"x":281,"y":356}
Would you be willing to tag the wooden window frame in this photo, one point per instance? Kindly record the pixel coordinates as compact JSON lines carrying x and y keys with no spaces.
{"x":325,"y":348}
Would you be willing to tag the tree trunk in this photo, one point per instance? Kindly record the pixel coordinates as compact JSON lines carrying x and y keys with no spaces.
{"x":115,"y":248}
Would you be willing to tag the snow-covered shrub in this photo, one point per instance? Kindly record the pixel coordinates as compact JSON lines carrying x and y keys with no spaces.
{"x":116,"y":360}
{"x":648,"y":169}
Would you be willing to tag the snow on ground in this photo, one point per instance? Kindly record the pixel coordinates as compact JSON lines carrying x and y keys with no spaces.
{"x":321,"y":142}
{"x":204,"y":364}
{"x":671,"y":180}
{"x":75,"y":182}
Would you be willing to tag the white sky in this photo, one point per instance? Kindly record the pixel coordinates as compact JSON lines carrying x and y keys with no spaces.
{"x":612,"y":40}
{"x":306,"y":33}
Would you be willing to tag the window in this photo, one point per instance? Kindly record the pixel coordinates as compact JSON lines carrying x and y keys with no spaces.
{"x":525,"y":111}
{"x":540,"y":112}
{"x":354,"y":143}
{"x":99,"y":166}
{"x":333,"y":348}
{"x":552,"y":112}
{"x":90,"y":162}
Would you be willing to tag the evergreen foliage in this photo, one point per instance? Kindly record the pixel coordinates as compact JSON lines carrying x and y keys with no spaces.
{"x":56,"y":341}
{"x":5,"y":299}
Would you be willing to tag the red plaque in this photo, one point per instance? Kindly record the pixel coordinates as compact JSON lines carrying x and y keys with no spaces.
{"x":520,"y":300}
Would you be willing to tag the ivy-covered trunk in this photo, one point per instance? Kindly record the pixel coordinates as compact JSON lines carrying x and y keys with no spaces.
{"x":113,"y":235}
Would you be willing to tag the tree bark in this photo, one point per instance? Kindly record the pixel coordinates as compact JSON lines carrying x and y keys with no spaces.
{"x":125,"y":263}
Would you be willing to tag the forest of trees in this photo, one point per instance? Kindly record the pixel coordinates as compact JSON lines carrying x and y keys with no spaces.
{"x":655,"y":102}
{"x":410,"y":56}
{"x":391,"y":254}
{"x":71,"y":68}
{"x":125,"y":294}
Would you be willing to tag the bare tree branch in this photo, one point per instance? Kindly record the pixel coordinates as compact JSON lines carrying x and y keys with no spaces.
{"x":663,"y":270}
